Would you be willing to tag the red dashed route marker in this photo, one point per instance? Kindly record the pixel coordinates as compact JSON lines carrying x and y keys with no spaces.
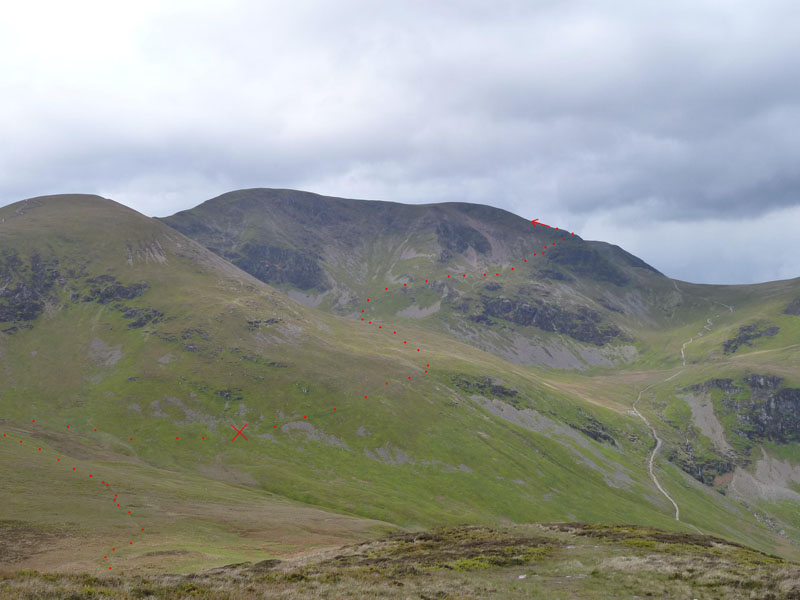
{"x":115,"y":500}
{"x":535,"y":222}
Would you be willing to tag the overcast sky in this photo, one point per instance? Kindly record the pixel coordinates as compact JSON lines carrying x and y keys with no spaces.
{"x":669,"y":128}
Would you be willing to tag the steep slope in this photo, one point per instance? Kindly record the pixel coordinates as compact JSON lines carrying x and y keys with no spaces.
{"x":114,"y":322}
{"x":572,"y":303}
{"x":729,"y":416}
{"x":575,"y":303}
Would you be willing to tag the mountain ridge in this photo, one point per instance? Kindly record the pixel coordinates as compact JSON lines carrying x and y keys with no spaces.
{"x":354,"y":247}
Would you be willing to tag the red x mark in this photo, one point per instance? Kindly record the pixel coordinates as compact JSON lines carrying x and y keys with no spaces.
{"x":239,"y":431}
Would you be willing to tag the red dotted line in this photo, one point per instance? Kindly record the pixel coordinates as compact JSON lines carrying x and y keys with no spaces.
{"x":463,"y":276}
{"x":107,"y":484}
{"x":116,"y":500}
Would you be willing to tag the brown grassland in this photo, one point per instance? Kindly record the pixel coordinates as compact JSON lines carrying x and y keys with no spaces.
{"x":561,"y":560}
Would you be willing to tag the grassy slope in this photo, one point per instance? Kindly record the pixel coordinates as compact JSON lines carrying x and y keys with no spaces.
{"x":510,"y":472}
{"x":705,"y":360}
{"x":189,"y":521}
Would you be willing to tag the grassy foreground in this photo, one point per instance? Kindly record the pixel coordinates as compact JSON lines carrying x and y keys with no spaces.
{"x":561,"y":560}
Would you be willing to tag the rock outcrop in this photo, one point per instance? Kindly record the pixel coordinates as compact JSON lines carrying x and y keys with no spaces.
{"x":764,"y":410}
{"x":25,"y":285}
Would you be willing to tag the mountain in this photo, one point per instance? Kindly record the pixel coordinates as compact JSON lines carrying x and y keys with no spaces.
{"x":571,"y":304}
{"x":574,"y":303}
{"x":116,"y":322}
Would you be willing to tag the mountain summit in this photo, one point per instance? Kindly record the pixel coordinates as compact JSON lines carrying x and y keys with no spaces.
{"x":578,"y":300}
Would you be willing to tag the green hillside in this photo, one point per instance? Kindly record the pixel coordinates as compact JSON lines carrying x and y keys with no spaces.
{"x":115,"y":322}
{"x":583,"y":306}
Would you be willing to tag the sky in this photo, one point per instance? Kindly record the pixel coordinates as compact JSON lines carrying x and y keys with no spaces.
{"x":669,"y":128}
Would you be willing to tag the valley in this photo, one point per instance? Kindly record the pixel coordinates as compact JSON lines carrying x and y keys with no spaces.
{"x":570,"y":383}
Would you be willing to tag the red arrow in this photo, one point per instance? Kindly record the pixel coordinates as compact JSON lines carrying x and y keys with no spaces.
{"x":535,"y":223}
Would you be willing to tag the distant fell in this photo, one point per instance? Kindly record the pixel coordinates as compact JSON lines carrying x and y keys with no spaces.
{"x":332,"y":253}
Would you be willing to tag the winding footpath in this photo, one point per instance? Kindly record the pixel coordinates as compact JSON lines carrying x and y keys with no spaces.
{"x":657,"y":447}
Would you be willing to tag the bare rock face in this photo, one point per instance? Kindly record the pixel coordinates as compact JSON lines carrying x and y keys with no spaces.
{"x":456,"y":238}
{"x":106,"y":289}
{"x":588,"y":262}
{"x":761,"y":383}
{"x":26,"y":283}
{"x":582,"y":324}
{"x":757,"y":408}
{"x":748,"y":333}
{"x":765,"y":411}
{"x":793,"y":308}
{"x":272,"y":264}
{"x":772,"y":413}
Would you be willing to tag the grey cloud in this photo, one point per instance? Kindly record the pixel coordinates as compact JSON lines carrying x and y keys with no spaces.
{"x":678,"y":112}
